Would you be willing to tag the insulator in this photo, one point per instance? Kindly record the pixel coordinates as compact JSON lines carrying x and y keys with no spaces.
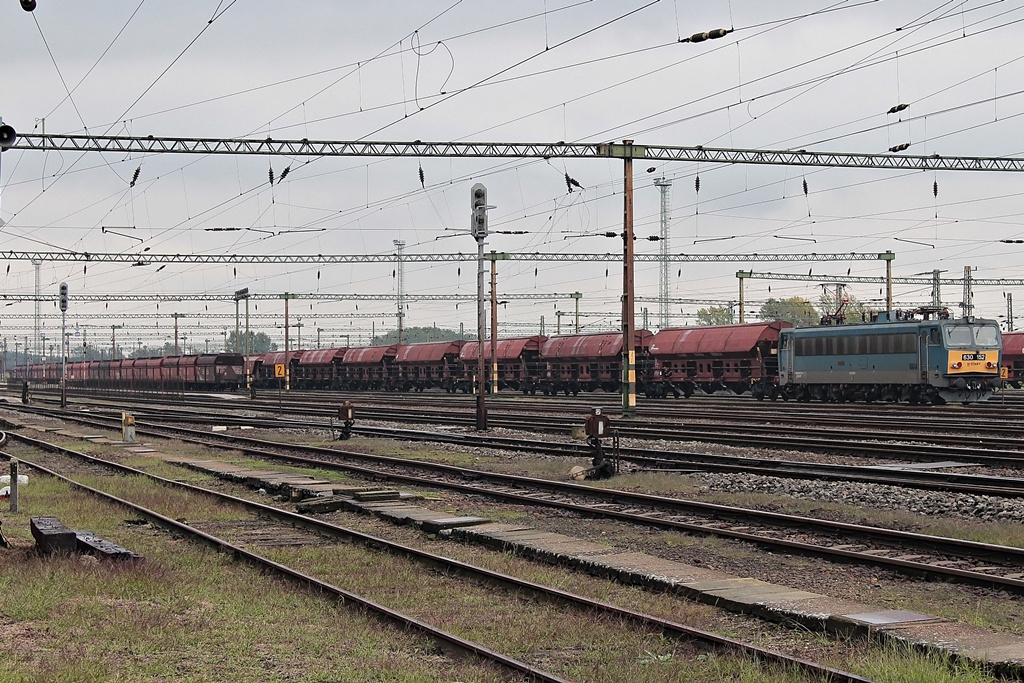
{"x":696,"y":184}
{"x":84,"y":268}
{"x":236,"y":271}
{"x":805,"y":187}
{"x":284,"y":173}
{"x":318,"y":275}
{"x":717,"y":33}
{"x":611,"y":234}
{"x":898,"y":108}
{"x":935,"y":189}
{"x":460,"y":271}
{"x":135,"y":176}
{"x":423,"y":181}
{"x":900,"y":148}
{"x":8,"y":268}
{"x":699,"y":37}
{"x":270,"y":173}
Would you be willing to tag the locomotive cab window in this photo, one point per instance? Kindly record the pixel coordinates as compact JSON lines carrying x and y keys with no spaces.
{"x":987,"y":335}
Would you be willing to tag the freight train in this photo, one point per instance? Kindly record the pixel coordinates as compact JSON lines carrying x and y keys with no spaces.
{"x":899,"y":359}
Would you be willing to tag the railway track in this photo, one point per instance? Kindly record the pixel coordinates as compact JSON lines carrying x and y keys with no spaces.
{"x":259,"y":524}
{"x":660,"y":459}
{"x":925,"y":447}
{"x":914,"y":554}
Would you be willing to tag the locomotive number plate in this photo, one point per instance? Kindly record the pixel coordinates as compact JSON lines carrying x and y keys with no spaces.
{"x":973,"y":356}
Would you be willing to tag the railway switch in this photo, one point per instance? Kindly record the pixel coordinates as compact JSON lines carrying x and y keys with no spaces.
{"x":598,"y":426}
{"x":347,"y":416}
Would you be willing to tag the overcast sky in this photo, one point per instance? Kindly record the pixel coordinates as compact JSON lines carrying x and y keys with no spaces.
{"x":815,"y":75}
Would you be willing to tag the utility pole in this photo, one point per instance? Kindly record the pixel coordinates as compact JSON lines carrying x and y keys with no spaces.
{"x":287,"y":366}
{"x":400,"y":277}
{"x":577,"y":296}
{"x":239,"y":295}
{"x":664,"y":281}
{"x":628,"y":337}
{"x":63,"y":344}
{"x":113,"y":340}
{"x":1009,"y":316}
{"x":176,"y":316}
{"x":478,"y":228}
{"x":741,"y":276}
{"x":37,"y":338}
{"x":494,"y":257}
{"x":888,"y":257}
{"x":968,"y":302}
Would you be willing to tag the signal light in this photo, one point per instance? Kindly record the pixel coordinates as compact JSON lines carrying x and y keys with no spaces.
{"x":7,"y":136}
{"x":63,"y":297}
{"x":28,"y":5}
{"x":478,"y":203}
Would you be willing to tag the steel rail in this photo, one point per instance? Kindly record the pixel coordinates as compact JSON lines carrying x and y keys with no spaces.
{"x":460,"y":475}
{"x":667,"y":627}
{"x":257,"y":560}
{"x":971,"y":484}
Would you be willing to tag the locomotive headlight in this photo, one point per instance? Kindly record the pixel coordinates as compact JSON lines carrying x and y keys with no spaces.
{"x":956,"y":365}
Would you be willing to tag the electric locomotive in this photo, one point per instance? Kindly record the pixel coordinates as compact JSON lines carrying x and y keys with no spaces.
{"x":934,"y":360}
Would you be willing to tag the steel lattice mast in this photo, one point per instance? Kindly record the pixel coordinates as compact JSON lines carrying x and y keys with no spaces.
{"x":149,"y":258}
{"x":664,"y":281}
{"x":520,"y":150}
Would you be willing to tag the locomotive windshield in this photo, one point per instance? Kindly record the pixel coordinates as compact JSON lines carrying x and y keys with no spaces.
{"x":966,"y":336}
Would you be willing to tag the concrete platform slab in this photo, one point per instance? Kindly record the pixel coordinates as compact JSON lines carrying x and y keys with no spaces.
{"x":435,"y":525}
{"x":889,"y":617}
{"x":670,"y":571}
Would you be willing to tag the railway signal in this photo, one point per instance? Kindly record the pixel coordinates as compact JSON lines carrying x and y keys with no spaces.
{"x":478,"y":228}
{"x":478,"y":203}
{"x":63,"y":345}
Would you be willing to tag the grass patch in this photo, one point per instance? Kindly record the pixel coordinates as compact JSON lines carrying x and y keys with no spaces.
{"x":185,"y":613}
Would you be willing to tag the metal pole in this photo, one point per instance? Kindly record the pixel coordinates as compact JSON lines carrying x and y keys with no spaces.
{"x":481,"y":324}
{"x":248,"y":377}
{"x":1009,"y":312}
{"x":64,"y":359}
{"x":175,"y":316}
{"x":287,"y":383}
{"x":494,"y":323}
{"x":400,"y":273}
{"x":628,"y":339}
{"x":238,"y":341}
{"x":664,"y":281}
{"x":577,"y":295}
{"x":743,"y":319}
